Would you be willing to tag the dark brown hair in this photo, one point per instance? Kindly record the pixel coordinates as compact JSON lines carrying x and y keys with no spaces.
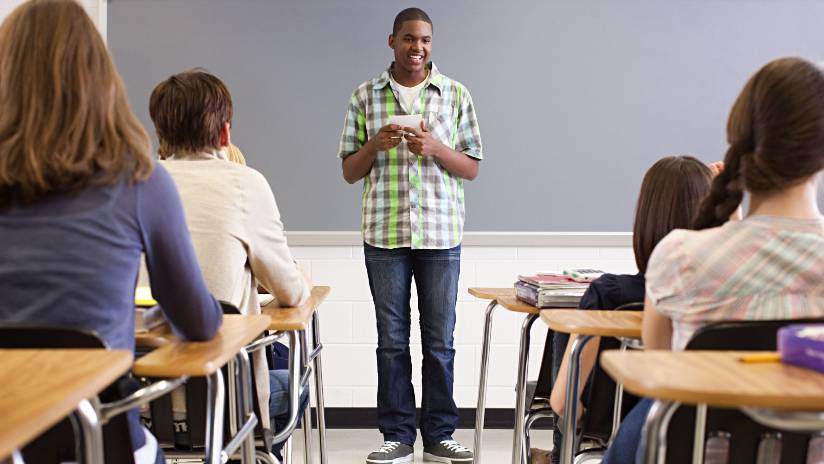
{"x":409,"y":14}
{"x":776,"y":136}
{"x":189,"y":110}
{"x":670,"y":195}
{"x":65,"y":120}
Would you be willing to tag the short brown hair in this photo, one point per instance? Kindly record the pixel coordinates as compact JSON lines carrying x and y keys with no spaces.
{"x":670,"y":195}
{"x":65,"y":120}
{"x":189,"y":110}
{"x":776,"y":136}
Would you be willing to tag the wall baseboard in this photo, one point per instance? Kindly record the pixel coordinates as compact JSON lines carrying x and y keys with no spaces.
{"x":484,"y":239}
{"x":366,"y":418}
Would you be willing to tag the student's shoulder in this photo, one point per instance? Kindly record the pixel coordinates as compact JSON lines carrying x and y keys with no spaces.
{"x":160,"y":178}
{"x":250,"y":177}
{"x":365,"y":89}
{"x":614,"y":290}
{"x":446,"y":83}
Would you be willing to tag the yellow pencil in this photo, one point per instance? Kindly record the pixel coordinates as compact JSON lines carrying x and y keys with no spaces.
{"x":761,"y":358}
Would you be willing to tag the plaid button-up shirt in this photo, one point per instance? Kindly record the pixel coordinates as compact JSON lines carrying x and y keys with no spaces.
{"x":408,"y":200}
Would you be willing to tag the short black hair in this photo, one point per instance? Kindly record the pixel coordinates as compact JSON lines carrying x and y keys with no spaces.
{"x":409,"y":14}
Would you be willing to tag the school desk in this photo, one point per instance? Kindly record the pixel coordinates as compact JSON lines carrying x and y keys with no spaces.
{"x":493,"y":294}
{"x":295,"y":322}
{"x":42,"y":386}
{"x":773,"y":394}
{"x":584,"y":325}
{"x":175,"y":358}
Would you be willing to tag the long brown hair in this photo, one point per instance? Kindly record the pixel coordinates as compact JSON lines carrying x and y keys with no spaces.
{"x":65,"y":121}
{"x":670,"y":194}
{"x":776,"y":136}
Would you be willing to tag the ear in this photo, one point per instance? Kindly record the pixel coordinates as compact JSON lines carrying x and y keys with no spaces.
{"x":225,"y":135}
{"x":391,"y":41}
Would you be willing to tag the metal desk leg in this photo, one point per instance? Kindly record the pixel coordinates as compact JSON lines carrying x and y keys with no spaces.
{"x":215,"y":405}
{"x":617,"y":405}
{"x":16,"y":458}
{"x":481,"y":409}
{"x":654,"y":434}
{"x":245,"y":413}
{"x":700,"y":433}
{"x":307,"y":413}
{"x":569,"y":429}
{"x":518,"y":454}
{"x":287,"y":451}
{"x":320,"y":406}
{"x":88,"y":429}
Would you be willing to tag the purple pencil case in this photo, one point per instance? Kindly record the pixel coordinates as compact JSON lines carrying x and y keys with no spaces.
{"x":802,"y":345}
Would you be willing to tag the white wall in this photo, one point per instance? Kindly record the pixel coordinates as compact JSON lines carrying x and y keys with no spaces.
{"x":348,"y":320}
{"x":95,"y":8}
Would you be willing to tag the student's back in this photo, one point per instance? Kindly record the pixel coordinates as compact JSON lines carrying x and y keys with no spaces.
{"x":236,"y":231}
{"x":767,"y":268}
{"x":81,"y":198}
{"x":72,"y":260}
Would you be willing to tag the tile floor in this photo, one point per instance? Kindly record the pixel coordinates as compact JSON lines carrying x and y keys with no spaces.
{"x":352,"y":446}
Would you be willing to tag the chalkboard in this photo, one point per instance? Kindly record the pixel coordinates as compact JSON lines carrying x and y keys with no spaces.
{"x":576,"y":99}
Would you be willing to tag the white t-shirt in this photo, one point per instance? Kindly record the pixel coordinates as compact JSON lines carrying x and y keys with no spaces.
{"x":407,"y":95}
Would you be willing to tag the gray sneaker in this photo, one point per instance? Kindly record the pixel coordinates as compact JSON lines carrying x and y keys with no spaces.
{"x":448,"y":451}
{"x":391,"y":452}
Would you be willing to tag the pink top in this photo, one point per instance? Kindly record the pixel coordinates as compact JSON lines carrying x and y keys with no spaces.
{"x":763,"y":267}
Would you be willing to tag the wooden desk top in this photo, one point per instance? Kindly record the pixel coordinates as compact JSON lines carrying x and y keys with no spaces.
{"x":594,"y":322}
{"x":40,"y":387}
{"x":716,"y":378}
{"x":299,"y":317}
{"x":488,"y":293}
{"x":513,"y":304}
{"x":198,"y":359}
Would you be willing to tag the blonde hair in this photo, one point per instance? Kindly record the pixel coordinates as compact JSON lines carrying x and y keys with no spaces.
{"x":234,"y":155}
{"x":65,"y":121}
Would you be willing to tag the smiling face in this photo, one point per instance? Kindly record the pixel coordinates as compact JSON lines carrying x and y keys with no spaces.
{"x":413,"y":46}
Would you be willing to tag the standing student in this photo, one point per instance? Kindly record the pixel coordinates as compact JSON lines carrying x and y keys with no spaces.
{"x":413,"y":215}
{"x":767,"y":266}
{"x":81,"y":198}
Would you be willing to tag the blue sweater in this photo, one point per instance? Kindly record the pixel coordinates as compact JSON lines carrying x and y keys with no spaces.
{"x":72,"y":260}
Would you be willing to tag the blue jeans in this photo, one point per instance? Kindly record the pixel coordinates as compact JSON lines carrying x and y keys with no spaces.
{"x":625,"y":448}
{"x":436,"y":278}
{"x":279,"y":403}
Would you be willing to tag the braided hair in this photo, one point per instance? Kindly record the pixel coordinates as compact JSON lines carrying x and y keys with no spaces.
{"x":776,"y":137}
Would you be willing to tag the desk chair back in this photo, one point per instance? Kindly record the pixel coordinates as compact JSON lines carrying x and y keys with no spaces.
{"x":57,"y":444}
{"x":745,"y":433}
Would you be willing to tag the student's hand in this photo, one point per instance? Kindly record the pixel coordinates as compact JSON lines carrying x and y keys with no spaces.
{"x":420,"y":141}
{"x":388,"y":137}
{"x":716,"y":168}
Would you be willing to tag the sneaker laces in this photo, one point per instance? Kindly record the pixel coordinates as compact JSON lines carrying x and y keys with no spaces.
{"x":454,"y":446}
{"x":387,"y":447}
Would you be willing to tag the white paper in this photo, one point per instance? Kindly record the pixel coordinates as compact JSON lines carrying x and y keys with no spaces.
{"x":265,"y":298}
{"x":406,"y":120}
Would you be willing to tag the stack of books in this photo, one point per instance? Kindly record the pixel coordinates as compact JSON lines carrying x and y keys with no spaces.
{"x":550,"y":291}
{"x":147,"y":319}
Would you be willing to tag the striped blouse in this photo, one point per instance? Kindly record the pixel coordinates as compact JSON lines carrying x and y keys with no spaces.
{"x":763,"y":267}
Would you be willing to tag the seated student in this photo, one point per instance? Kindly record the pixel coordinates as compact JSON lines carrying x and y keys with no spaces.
{"x":230,"y":209}
{"x":670,"y":194}
{"x":80,"y":197}
{"x":767,"y":266}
